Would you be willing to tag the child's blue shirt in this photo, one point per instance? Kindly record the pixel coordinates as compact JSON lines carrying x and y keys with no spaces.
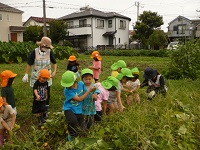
{"x":69,"y":103}
{"x":89,"y":107}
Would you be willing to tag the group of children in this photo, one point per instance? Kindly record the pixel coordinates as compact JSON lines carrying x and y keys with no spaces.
{"x":87,"y":99}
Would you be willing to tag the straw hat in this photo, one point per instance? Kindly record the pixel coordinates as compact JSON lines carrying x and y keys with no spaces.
{"x":45,"y":41}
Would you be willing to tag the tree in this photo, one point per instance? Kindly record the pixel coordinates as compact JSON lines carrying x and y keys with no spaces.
{"x":148,"y":22}
{"x":58,"y":30}
{"x":157,"y":39}
{"x":33,"y":33}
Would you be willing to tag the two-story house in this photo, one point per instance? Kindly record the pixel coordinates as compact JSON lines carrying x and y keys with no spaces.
{"x":90,"y":29}
{"x":183,"y":29}
{"x":11,"y":28}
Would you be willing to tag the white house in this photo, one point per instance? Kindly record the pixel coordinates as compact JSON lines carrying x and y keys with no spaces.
{"x":182,"y":28}
{"x":11,"y":28}
{"x":91,"y":28}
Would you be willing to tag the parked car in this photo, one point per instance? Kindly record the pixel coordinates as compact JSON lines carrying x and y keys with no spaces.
{"x":172,"y":45}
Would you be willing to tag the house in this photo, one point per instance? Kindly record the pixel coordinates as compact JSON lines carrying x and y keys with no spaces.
{"x":11,"y":28}
{"x":90,"y":29}
{"x":183,"y":29}
{"x":37,"y":21}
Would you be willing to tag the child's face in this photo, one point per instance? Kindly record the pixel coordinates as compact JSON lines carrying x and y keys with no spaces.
{"x":42,"y":79}
{"x":124,"y":80}
{"x":88,"y":80}
{"x":75,"y":85}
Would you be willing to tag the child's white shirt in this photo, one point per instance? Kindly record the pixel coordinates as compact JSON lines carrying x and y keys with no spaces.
{"x":133,"y":85}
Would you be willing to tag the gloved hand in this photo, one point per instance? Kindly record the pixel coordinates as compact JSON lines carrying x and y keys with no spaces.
{"x":25,"y":78}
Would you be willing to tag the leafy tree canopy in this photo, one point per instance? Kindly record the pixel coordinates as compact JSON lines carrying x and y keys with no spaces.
{"x":148,"y":22}
{"x":58,"y":30}
{"x":157,"y":38}
{"x":33,"y":33}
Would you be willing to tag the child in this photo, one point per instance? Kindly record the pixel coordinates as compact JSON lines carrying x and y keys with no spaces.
{"x":111,"y":84}
{"x":133,"y":85}
{"x":73,"y":103}
{"x":73,"y":65}
{"x":155,"y":82}
{"x":116,"y":67}
{"x":102,"y":98}
{"x":89,"y":108}
{"x":7,"y":91}
{"x":7,"y":118}
{"x":123,"y":78}
{"x":40,"y":93}
{"x":96,"y":65}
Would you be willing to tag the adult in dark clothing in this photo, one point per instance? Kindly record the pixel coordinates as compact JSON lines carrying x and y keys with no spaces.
{"x":155,"y":82}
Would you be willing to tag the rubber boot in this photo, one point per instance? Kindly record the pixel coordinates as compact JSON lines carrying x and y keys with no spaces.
{"x":70,"y":138}
{"x":47,"y":110}
{"x":40,"y":121}
{"x":1,"y":139}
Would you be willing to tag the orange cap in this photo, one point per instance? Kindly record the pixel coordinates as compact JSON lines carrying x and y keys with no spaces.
{"x":1,"y":101}
{"x":5,"y":75}
{"x":45,"y":73}
{"x":97,"y":55}
{"x":72,"y":58}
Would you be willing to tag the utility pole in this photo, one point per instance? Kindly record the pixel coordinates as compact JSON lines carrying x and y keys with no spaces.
{"x":44,"y":19}
{"x":138,"y":5}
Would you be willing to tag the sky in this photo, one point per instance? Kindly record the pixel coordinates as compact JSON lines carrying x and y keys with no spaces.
{"x":169,"y":9}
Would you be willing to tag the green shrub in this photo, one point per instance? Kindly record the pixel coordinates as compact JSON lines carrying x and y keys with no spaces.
{"x":185,"y":61}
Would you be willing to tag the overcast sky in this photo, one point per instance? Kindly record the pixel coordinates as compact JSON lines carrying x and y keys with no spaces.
{"x":168,"y":9}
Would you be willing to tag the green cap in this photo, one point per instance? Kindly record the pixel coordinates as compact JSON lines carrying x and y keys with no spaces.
{"x":68,"y":79}
{"x":135,"y":70}
{"x":119,"y":63}
{"x":125,"y":72}
{"x":86,"y":71}
{"x":109,"y":82}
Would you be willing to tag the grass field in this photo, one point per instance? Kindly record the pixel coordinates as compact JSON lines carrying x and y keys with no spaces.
{"x":164,"y":123}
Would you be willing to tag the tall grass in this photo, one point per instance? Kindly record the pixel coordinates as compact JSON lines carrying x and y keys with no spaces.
{"x":163,"y":123}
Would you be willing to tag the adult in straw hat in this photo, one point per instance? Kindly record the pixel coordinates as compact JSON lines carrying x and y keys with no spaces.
{"x":41,"y":58}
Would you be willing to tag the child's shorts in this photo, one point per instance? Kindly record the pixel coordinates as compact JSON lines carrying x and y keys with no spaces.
{"x":38,"y":106}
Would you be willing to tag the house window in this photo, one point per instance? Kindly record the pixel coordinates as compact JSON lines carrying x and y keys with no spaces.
{"x":109,"y":23}
{"x":181,"y":29}
{"x":70,"y":24}
{"x":82,"y":23}
{"x":119,"y":40}
{"x":122,"y":24}
{"x":1,"y":18}
{"x":100,"y":23}
{"x":8,"y":18}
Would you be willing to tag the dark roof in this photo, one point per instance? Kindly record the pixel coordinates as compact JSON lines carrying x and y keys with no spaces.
{"x":7,"y":8}
{"x":90,"y":12}
{"x":109,"y":33}
{"x":39,"y":19}
{"x":180,"y":17}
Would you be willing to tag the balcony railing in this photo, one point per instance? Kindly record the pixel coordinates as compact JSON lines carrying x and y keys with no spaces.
{"x":79,"y":26}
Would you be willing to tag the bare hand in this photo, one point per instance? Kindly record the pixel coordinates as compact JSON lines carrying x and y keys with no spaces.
{"x":92,"y":89}
{"x":53,"y":74}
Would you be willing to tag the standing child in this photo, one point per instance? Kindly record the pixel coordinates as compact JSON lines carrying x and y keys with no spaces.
{"x":73,"y":65}
{"x":73,"y":103}
{"x":40,"y":93}
{"x":117,"y":67}
{"x":96,"y":65}
{"x":133,"y":85}
{"x":7,"y":91}
{"x":89,"y":107}
{"x":102,"y":98}
{"x":111,"y":84}
{"x":7,"y":120}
